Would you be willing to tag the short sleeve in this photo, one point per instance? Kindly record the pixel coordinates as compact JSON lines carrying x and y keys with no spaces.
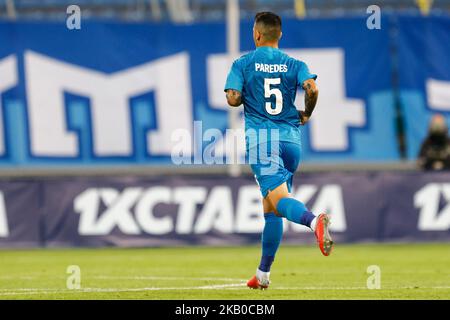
{"x":235,"y":79}
{"x":304,"y":74}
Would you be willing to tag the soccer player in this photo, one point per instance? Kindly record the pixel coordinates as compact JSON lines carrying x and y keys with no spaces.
{"x":265,"y":81}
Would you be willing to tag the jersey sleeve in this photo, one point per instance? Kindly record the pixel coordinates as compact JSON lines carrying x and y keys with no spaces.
{"x":304,"y":74}
{"x":235,"y":79}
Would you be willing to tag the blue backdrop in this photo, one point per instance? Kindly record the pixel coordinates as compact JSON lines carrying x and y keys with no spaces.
{"x":113,"y":93}
{"x":424,"y":74}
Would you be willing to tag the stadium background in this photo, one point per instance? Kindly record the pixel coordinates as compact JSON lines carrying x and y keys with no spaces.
{"x":89,"y":121}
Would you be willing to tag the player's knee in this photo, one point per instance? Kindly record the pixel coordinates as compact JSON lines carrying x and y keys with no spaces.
{"x":275,"y":196}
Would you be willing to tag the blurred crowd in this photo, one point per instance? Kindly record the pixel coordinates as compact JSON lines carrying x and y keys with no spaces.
{"x":187,"y":11}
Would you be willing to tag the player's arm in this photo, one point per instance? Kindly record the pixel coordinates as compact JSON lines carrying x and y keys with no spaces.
{"x":234,"y":97}
{"x":311,"y":95}
{"x":235,"y":83}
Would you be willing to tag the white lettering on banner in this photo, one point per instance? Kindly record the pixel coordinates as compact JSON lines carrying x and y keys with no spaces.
{"x":110,"y":94}
{"x":438,"y":94}
{"x":217,"y":212}
{"x":218,"y":66}
{"x":329,"y":199}
{"x":427,"y":200}
{"x":188,"y":198}
{"x":109,"y":102}
{"x":117,"y":213}
{"x":144,"y":209}
{"x":8,"y":79}
{"x":4,"y":230}
{"x":334,"y":114}
{"x":249,"y":218}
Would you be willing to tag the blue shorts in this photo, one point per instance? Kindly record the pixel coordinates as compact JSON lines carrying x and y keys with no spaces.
{"x":274,"y":163}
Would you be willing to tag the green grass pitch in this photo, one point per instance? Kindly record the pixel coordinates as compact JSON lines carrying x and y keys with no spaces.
{"x":408,"y":271}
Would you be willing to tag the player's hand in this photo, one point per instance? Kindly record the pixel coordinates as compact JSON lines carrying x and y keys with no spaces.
{"x":303,"y":118}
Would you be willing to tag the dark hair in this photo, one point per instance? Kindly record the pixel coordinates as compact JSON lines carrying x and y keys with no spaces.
{"x":270,"y":23}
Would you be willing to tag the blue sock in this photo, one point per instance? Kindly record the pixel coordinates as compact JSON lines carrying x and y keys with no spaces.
{"x":271,"y":238}
{"x":295,"y":211}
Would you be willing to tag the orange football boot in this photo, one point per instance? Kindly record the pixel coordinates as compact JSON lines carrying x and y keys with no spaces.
{"x":323,"y":235}
{"x":254,"y":283}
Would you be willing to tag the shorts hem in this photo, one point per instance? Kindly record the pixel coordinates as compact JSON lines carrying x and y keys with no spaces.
{"x":276,"y":185}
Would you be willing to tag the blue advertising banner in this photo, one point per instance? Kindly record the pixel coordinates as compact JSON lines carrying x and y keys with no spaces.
{"x":120,"y":94}
{"x":218,"y":210}
{"x":21,"y":217}
{"x":424,"y":74}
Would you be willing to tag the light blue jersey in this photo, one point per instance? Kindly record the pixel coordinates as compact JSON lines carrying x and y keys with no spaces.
{"x":268,"y":80}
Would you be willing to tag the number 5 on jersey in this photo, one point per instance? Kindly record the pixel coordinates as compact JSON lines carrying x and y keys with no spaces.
{"x":268,"y":92}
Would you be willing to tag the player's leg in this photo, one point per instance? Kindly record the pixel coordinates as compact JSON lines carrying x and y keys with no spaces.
{"x":270,"y":240}
{"x":273,"y":223}
{"x":295,"y":210}
{"x":289,"y":207}
{"x":280,"y":198}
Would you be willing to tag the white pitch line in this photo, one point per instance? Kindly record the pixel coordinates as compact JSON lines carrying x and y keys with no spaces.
{"x":28,"y":289}
{"x":167,"y":278}
{"x":216,"y":286}
{"x":89,"y":290}
{"x":131,"y":278}
{"x":233,"y":286}
{"x":356,"y":288}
